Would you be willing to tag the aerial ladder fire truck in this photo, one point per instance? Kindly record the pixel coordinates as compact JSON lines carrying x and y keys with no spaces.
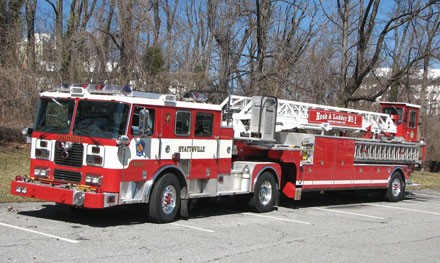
{"x":96,"y":146}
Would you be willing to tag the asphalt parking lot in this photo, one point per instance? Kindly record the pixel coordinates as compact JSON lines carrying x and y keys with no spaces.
{"x":342,"y":227}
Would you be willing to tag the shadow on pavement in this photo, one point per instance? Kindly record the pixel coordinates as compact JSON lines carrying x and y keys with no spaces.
{"x":137,"y":213}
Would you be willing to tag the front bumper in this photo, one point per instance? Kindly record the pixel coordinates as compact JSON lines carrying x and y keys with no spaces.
{"x":64,"y":195}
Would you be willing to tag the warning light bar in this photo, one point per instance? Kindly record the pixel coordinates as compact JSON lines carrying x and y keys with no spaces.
{"x":80,"y":90}
{"x":196,"y":96}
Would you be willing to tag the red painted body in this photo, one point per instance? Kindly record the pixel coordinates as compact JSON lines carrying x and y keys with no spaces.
{"x":406,"y":118}
{"x":206,"y":162}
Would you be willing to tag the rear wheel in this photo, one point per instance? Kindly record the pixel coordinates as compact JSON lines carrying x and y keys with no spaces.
{"x":396,"y":188}
{"x":165,"y":199}
{"x":265,"y":194}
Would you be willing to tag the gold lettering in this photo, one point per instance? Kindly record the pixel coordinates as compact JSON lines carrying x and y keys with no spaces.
{"x":137,"y":164}
{"x":191,"y":149}
{"x":70,"y":138}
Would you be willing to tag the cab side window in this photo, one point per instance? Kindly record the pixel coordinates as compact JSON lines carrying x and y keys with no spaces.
{"x":135,"y":125}
{"x":203,"y":126}
{"x":412,"y":119}
{"x":183,"y":122}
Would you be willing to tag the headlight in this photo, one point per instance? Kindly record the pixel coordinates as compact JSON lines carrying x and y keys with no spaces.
{"x":41,"y":172}
{"x":21,"y":190}
{"x":94,"y":160}
{"x":42,"y":154}
{"x":95,"y":180}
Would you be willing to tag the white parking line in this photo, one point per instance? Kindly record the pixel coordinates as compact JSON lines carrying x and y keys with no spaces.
{"x":193,"y":227}
{"x":406,"y":209}
{"x":348,"y":213}
{"x":420,"y":202}
{"x":434,"y":196}
{"x":40,"y":233}
{"x":278,"y":218}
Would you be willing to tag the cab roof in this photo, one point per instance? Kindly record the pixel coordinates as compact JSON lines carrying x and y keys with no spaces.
{"x":125,"y":94}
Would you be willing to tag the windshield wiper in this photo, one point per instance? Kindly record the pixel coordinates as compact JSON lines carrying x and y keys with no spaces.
{"x":57,"y":102}
{"x":82,"y":133}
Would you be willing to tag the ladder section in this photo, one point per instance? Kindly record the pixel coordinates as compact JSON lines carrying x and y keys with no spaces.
{"x":366,"y":152}
{"x":293,"y":114}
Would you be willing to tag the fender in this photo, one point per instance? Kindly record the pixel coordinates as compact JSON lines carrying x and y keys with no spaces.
{"x":397,"y":169}
{"x":161,"y":171}
{"x":275,"y":168}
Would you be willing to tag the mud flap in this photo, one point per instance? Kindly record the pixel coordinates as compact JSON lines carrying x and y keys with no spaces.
{"x":184,"y":208}
{"x":289,"y":190}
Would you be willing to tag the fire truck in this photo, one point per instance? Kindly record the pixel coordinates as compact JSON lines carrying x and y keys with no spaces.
{"x":97,"y":146}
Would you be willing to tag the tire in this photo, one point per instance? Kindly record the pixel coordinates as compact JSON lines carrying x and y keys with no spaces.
{"x":165,"y":199}
{"x":265,"y":194}
{"x":396,"y":188}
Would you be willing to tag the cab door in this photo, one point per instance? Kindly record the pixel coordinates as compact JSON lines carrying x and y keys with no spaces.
{"x":204,"y":146}
{"x":412,"y":124}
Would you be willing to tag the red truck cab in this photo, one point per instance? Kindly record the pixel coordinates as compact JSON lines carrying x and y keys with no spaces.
{"x":406,"y":118}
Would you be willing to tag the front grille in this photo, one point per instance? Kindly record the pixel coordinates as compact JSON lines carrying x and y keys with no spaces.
{"x":67,"y":176}
{"x":75,"y":157}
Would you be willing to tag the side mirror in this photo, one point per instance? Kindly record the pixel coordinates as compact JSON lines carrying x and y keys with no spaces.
{"x":396,"y":119}
{"x":123,"y":141}
{"x":143,"y":122}
{"x":27,"y":132}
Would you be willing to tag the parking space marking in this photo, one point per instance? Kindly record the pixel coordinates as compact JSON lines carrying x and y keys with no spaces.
{"x":193,"y":227}
{"x":40,"y":233}
{"x":433,"y":196}
{"x":406,"y":209}
{"x":278,"y":218}
{"x":421,"y":202}
{"x":348,"y":213}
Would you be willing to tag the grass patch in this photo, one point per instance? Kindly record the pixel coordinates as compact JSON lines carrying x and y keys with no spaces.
{"x":14,"y":160}
{"x":427,"y":180}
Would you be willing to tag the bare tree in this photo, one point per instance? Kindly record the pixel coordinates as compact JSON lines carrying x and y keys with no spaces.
{"x":103,"y":39}
{"x":263,"y":14}
{"x":429,"y":26}
{"x":432,"y":25}
{"x":170,"y":11}
{"x":367,"y":48}
{"x":125,"y":44}
{"x":31,"y":6}
{"x":292,"y":35}
{"x":157,"y":21}
{"x":230,"y":37}
{"x":9,"y":30}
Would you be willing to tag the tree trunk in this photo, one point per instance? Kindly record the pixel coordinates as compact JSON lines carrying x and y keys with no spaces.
{"x":31,"y":6}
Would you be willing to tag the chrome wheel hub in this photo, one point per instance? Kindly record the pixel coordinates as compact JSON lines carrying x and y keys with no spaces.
{"x":169,"y":197}
{"x":396,"y":187}
{"x":265,"y":194}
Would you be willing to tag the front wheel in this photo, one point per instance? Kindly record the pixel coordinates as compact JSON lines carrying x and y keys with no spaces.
{"x":396,"y":188}
{"x":165,"y":199}
{"x":265,"y":194}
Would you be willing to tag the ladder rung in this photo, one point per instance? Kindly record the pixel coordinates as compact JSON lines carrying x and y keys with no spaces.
{"x":385,"y":152}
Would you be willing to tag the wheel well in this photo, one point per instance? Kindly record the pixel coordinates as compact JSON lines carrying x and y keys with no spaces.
{"x":180,"y":177}
{"x":272,"y":172}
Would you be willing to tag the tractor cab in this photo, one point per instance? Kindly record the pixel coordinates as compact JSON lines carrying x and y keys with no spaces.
{"x":406,"y":118}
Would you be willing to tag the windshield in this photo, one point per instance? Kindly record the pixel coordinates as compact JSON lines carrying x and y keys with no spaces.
{"x":393,"y":111}
{"x":101,"y":119}
{"x":54,"y":115}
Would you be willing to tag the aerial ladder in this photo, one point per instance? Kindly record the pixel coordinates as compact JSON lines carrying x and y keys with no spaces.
{"x":245,"y":114}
